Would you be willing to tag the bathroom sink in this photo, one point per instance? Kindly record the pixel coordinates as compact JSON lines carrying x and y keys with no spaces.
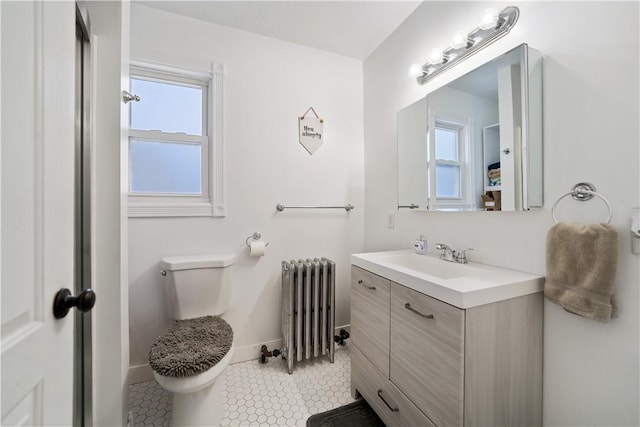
{"x":429,"y":265}
{"x":461,"y":285}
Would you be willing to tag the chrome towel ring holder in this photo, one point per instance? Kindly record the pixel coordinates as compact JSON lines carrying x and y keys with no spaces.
{"x":582,"y":192}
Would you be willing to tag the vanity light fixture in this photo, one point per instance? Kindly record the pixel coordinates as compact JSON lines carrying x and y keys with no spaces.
{"x":437,"y":57}
{"x":460,"y":40}
{"x":489,"y":19}
{"x":493,"y":26}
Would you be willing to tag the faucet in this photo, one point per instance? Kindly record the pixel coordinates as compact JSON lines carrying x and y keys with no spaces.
{"x":446,"y":253}
{"x":461,"y":257}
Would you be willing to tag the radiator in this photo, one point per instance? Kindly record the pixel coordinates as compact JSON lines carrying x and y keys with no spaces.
{"x":308,"y":315}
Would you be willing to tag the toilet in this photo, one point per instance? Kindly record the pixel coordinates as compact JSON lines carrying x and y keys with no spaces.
{"x":188,"y":357}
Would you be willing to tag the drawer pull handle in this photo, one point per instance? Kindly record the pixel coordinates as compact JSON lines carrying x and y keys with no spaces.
{"x":426,"y":316}
{"x":385,"y":402}
{"x":360,"y":282}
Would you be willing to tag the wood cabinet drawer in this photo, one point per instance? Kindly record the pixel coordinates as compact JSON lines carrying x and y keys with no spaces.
{"x":370,"y":316}
{"x":385,"y":399}
{"x":428,"y":354}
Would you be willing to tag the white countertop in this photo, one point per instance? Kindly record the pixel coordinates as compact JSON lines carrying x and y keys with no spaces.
{"x":462,"y":285}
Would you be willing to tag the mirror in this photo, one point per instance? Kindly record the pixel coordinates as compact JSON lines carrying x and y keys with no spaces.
{"x":476,"y":142}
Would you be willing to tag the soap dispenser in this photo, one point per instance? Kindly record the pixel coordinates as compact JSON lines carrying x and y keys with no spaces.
{"x":420,"y":245}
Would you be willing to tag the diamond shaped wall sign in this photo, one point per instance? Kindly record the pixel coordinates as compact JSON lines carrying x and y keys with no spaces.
{"x":310,"y":131}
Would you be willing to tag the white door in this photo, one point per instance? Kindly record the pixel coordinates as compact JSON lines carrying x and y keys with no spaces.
{"x":37,"y":208}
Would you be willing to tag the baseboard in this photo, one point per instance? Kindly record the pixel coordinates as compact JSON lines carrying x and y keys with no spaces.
{"x":142,"y":373}
{"x":139,"y":374}
{"x":252,"y":352}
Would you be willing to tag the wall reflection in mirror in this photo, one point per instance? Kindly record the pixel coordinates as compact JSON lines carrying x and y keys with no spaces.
{"x":476,"y":142}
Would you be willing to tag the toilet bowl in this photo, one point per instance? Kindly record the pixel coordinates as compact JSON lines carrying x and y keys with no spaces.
{"x":188,"y":358}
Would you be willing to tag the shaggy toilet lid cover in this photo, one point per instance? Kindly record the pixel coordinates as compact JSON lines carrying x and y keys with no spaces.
{"x":190,"y":347}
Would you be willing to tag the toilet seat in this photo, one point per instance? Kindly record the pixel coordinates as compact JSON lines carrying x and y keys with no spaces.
{"x":191,"y":353}
{"x":196,"y":382}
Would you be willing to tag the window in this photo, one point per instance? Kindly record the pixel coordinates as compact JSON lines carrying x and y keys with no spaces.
{"x":448,"y":152}
{"x":175,"y":165}
{"x":447,"y":161}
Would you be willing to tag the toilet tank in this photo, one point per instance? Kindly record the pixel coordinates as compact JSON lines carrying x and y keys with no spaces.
{"x":197,"y":285}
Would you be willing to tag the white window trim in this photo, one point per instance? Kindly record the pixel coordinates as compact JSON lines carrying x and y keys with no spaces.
{"x":464,"y":155}
{"x":459,"y":130}
{"x":212,"y":203}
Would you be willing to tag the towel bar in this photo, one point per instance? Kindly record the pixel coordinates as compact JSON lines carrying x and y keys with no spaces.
{"x":348,"y":207}
{"x":582,"y":192}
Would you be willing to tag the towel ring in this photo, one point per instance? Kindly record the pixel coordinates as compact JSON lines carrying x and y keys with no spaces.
{"x":582,"y":192}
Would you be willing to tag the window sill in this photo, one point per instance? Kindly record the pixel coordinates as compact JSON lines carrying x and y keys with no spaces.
{"x":168,"y":210}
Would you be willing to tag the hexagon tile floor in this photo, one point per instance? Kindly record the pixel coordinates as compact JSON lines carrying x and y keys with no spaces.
{"x":261,"y":394}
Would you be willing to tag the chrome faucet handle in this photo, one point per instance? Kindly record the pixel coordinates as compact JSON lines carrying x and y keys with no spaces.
{"x":446,"y":253}
{"x":461,"y":257}
{"x":442,"y":247}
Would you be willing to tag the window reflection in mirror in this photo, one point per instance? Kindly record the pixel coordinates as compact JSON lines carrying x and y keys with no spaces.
{"x":449,"y":145}
{"x":476,"y":142}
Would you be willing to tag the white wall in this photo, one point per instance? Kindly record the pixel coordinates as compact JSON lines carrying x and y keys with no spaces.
{"x":590,"y":74}
{"x":267,"y":85}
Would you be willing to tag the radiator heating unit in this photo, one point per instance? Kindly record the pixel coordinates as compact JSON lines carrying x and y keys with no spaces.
{"x":308,"y":315}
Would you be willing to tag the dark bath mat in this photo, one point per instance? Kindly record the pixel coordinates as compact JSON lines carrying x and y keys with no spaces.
{"x":356,"y":414}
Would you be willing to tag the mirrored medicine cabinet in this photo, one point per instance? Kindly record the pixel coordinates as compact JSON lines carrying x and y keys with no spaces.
{"x":476,"y":142}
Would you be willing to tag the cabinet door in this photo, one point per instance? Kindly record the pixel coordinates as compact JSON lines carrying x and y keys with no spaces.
{"x":509,"y":88}
{"x":385,"y":399}
{"x":370,"y":316}
{"x":427,"y":354}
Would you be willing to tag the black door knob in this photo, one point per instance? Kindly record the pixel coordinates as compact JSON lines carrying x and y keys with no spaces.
{"x":64,"y":301}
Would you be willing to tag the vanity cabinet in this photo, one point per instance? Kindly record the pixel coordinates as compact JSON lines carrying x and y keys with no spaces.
{"x":427,"y":361}
{"x":420,"y":361}
{"x":370,"y":316}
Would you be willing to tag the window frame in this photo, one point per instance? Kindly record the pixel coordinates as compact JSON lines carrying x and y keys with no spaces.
{"x":464,"y":131}
{"x":210,"y":202}
{"x":459,"y":131}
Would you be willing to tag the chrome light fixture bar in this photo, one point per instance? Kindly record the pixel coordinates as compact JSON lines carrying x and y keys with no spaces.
{"x":493,"y":26}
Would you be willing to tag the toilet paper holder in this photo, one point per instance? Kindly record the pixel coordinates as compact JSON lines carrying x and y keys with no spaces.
{"x":254,"y":236}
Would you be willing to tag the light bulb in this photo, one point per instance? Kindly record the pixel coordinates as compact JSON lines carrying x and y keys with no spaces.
{"x":489,"y":19}
{"x":459,"y":40}
{"x":436,"y":56}
{"x":415,"y":70}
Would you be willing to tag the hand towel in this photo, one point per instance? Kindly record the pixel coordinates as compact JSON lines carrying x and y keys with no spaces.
{"x":581,"y":267}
